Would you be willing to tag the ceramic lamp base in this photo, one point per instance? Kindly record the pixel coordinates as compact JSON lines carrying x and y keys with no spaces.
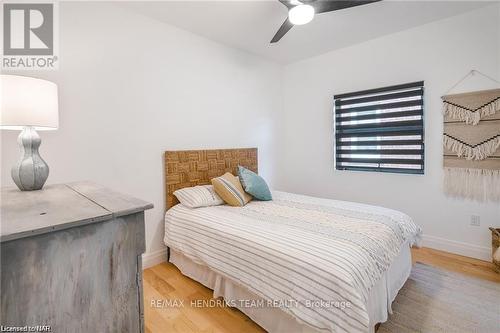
{"x":31,"y":171}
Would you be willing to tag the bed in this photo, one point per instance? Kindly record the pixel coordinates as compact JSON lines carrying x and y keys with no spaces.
{"x":293,"y":264}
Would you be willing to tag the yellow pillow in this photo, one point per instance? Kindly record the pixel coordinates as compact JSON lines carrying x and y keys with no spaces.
{"x":229,"y":188}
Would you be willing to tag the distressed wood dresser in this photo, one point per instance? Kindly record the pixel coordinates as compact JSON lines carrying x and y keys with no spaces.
{"x":71,"y":258}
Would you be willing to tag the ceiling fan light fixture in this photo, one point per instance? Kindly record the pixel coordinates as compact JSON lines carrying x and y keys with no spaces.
{"x":301,"y":14}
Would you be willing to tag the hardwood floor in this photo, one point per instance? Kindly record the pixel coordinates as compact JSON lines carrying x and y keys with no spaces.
{"x":165,"y":287}
{"x":165,"y":282}
{"x":453,"y":262}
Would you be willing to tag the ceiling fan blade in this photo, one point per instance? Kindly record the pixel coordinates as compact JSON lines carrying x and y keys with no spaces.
{"x":288,"y":3}
{"x":285,"y":27}
{"x":323,"y":6}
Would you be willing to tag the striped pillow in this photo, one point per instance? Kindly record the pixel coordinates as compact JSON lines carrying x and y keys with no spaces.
{"x":198,"y":196}
{"x":229,"y":188}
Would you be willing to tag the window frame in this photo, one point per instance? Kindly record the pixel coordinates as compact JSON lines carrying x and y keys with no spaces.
{"x":415,"y":127}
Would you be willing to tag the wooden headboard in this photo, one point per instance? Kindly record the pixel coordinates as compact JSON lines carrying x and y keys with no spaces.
{"x":186,"y":168}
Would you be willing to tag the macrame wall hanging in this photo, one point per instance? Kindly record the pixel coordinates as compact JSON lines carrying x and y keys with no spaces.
{"x":471,"y":144}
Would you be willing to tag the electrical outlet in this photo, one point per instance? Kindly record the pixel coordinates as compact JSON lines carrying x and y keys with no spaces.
{"x":475,"y":220}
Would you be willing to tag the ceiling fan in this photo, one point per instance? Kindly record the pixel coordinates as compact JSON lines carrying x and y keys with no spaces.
{"x":303,"y":11}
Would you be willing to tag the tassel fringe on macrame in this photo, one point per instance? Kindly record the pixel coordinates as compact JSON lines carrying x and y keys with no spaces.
{"x":477,"y":153}
{"x":471,"y":117}
{"x":476,"y":184}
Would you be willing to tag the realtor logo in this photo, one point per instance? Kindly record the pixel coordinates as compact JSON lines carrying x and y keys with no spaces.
{"x":28,"y":29}
{"x":29,"y":36}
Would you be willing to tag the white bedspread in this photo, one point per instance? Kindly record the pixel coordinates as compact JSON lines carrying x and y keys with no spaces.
{"x":312,"y":255}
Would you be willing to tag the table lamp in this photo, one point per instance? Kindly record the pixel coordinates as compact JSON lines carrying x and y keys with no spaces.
{"x":28,"y":104}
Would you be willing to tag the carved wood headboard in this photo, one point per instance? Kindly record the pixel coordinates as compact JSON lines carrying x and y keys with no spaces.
{"x":186,"y":168}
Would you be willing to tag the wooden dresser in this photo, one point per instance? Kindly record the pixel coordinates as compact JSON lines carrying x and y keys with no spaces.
{"x":71,"y":259}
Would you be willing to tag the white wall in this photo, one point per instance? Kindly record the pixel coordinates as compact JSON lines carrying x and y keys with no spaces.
{"x":439,"y":53}
{"x":131,"y":88}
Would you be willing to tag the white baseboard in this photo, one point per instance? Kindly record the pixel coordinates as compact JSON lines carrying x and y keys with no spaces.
{"x":150,"y":259}
{"x":464,"y":249}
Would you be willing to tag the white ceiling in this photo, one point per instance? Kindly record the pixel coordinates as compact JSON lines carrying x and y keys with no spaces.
{"x":250,"y":25}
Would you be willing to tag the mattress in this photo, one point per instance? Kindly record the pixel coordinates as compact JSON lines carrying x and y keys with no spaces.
{"x":318,"y":261}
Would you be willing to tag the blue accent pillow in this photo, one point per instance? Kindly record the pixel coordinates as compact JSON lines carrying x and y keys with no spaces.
{"x":254,"y":184}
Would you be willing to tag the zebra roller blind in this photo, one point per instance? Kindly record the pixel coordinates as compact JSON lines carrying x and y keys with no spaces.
{"x":381,"y":129}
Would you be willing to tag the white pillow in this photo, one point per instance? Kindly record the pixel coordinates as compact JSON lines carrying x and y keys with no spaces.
{"x":198,"y":196}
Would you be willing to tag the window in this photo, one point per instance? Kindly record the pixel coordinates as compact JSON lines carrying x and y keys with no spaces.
{"x":381,"y":129}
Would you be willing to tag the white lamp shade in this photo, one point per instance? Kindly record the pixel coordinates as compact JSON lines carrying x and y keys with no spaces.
{"x":26,"y":101}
